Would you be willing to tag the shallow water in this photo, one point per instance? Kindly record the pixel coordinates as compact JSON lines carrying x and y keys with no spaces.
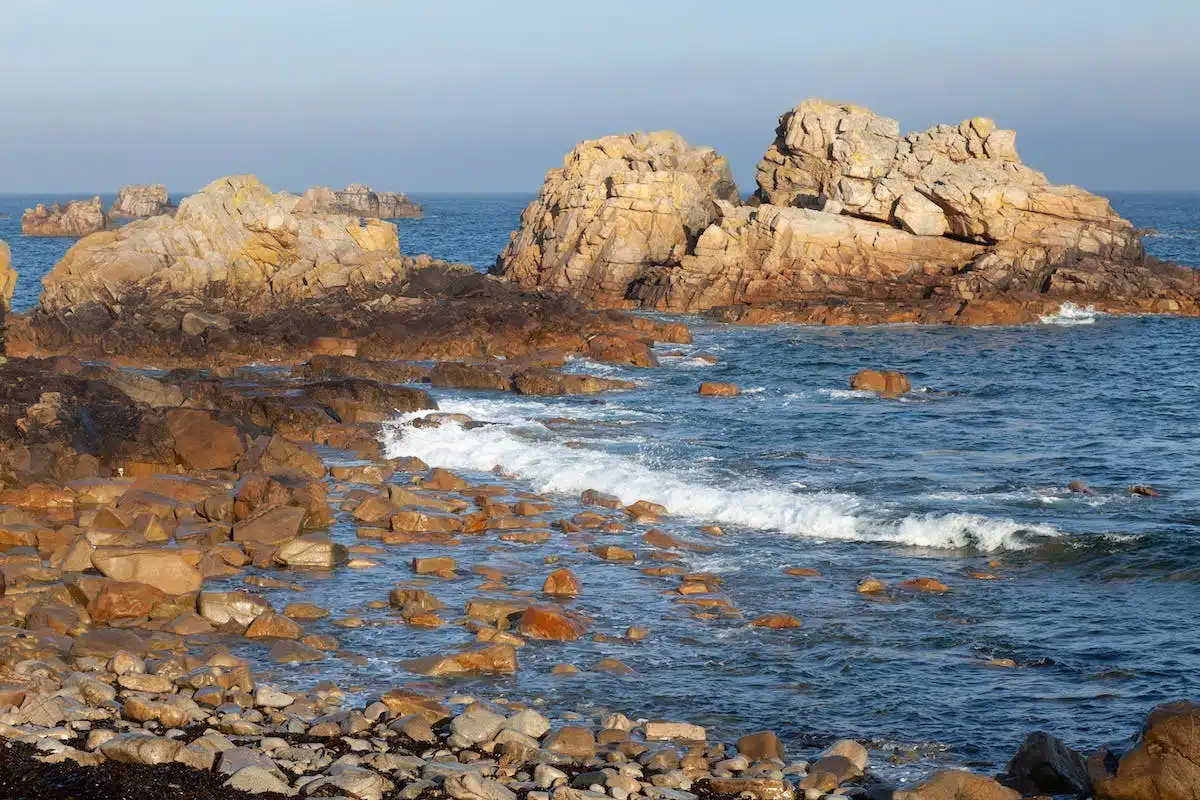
{"x":1096,"y":597}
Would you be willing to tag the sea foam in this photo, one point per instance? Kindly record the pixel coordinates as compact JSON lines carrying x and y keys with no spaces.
{"x":528,"y":450}
{"x":1071,"y":314}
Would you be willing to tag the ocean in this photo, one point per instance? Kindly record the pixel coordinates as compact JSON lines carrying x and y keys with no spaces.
{"x":1089,"y":615}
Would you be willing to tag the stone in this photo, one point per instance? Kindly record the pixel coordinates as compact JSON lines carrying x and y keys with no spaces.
{"x":471,"y":786}
{"x":272,"y":527}
{"x":849,"y":749}
{"x":550,"y":624}
{"x":168,"y":571}
{"x":1164,"y":764}
{"x":240,"y":608}
{"x":925,"y":585}
{"x":313,"y":551}
{"x":76,"y":218}
{"x":119,"y":600}
{"x":357,"y":200}
{"x":258,"y":780}
{"x":561,"y":583}
{"x":888,"y":384}
{"x":132,"y":748}
{"x":141,"y":200}
{"x":8,"y":276}
{"x":270,"y":625}
{"x":870,"y":585}
{"x":957,"y":785}
{"x":1045,"y":765}
{"x":491,"y":659}
{"x":777,"y":621}
{"x":674,"y":731}
{"x":713,"y":389}
{"x":477,"y":724}
{"x":528,"y":722}
{"x":202,"y":441}
{"x":355,"y":782}
{"x":829,"y":772}
{"x":571,"y":741}
{"x":761,"y":746}
{"x":434,"y":565}
{"x":755,"y":788}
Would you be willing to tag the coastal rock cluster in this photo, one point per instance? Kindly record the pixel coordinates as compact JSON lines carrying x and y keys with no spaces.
{"x":141,"y":200}
{"x":360,"y":201}
{"x":76,"y":218}
{"x":852,"y":222}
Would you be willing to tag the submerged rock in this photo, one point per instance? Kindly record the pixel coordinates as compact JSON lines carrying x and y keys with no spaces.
{"x":888,"y":384}
{"x":76,"y":218}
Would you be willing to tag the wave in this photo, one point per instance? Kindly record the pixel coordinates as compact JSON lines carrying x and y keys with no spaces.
{"x":1071,"y":314}
{"x":529,"y":451}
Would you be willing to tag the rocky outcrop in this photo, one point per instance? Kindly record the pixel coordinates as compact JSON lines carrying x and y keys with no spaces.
{"x":141,"y":200}
{"x":236,"y":239}
{"x":8,"y":277}
{"x":851,"y":223}
{"x":1165,"y":764}
{"x":76,"y":218}
{"x":618,"y":206}
{"x":360,"y":201}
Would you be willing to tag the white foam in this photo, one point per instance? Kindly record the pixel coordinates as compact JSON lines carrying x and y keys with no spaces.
{"x":847,"y":394}
{"x":531,"y":452}
{"x":1071,"y":314}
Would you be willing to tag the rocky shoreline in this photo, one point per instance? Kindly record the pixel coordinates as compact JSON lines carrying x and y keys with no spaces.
{"x":199,"y":398}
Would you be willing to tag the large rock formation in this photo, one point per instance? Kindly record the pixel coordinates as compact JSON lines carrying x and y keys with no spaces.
{"x":851,"y":223}
{"x":618,"y":206}
{"x":141,"y":200}
{"x":8,"y":277}
{"x":235,"y":239}
{"x":361,"y":201}
{"x":1165,"y":764}
{"x":76,"y":218}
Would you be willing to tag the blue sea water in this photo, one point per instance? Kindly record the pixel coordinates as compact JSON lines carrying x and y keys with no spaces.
{"x":1091,"y":614}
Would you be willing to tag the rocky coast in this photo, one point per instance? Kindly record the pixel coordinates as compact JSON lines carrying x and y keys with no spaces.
{"x":191,"y":426}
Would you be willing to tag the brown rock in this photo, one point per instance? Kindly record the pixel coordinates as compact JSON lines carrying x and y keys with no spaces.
{"x":76,"y":218}
{"x":887,"y":384}
{"x":124,"y":600}
{"x":591,"y":497}
{"x":439,"y":565}
{"x":538,"y":622}
{"x":492,"y":659}
{"x":958,"y":785}
{"x":571,"y":741}
{"x":273,"y":527}
{"x":202,"y":441}
{"x":712,"y":389}
{"x":561,"y":583}
{"x":1165,"y":764}
{"x":166,"y":570}
{"x":777,"y":621}
{"x":610,"y":552}
{"x":761,"y":746}
{"x":273,"y":626}
{"x":927,"y":585}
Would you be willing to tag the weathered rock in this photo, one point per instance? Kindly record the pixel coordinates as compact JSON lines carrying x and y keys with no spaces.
{"x":1165,"y":764}
{"x":76,"y":218}
{"x":241,"y":608}
{"x":855,"y":224}
{"x":712,"y":389}
{"x":561,"y":583}
{"x":314,"y":551}
{"x":540,"y":622}
{"x":258,"y":780}
{"x":8,"y":277}
{"x":494,"y":659}
{"x":357,"y":200}
{"x":141,"y":200}
{"x":759,"y":746}
{"x":203,"y":441}
{"x":957,"y":785}
{"x":132,"y":748}
{"x":169,"y":571}
{"x":571,"y":741}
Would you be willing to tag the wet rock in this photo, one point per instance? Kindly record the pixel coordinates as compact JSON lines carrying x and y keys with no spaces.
{"x":886,"y":384}
{"x":1044,"y":765}
{"x":561,"y":583}
{"x":674,"y":731}
{"x":957,"y":785}
{"x":761,"y":746}
{"x":1079,"y":487}
{"x":312,"y":551}
{"x":610,"y":552}
{"x":550,"y":624}
{"x":240,"y":608}
{"x":777,"y":621}
{"x":269,"y":625}
{"x":713,"y":389}
{"x":829,"y":772}
{"x":591,"y":497}
{"x":1143,"y":490}
{"x":272,"y":527}
{"x":871,"y":585}
{"x":493,"y":659}
{"x":276,"y":455}
{"x":926,"y":585}
{"x":434,"y":565}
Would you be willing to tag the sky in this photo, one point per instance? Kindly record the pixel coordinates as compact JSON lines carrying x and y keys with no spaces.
{"x":486,"y":95}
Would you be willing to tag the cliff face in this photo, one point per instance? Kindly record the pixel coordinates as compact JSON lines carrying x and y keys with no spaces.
{"x":76,"y":218}
{"x":235,"y":238}
{"x":360,"y":201}
{"x":141,"y":200}
{"x":851,"y":222}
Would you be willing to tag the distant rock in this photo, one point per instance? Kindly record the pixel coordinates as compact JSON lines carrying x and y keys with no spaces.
{"x":141,"y":200}
{"x":361,"y":201}
{"x":76,"y":218}
{"x":851,"y":223}
{"x":235,"y":239}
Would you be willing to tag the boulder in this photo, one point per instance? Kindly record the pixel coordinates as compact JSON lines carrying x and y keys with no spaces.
{"x":141,"y":200}
{"x":713,"y":389}
{"x":561,"y":583}
{"x":540,"y":622}
{"x":76,"y":218}
{"x":617,"y":205}
{"x":492,"y":659}
{"x":274,"y":526}
{"x":168,"y":571}
{"x":203,"y":441}
{"x":1165,"y":763}
{"x":953,"y":784}
{"x":1044,"y":765}
{"x":359,"y":201}
{"x":888,"y":384}
{"x":8,"y":277}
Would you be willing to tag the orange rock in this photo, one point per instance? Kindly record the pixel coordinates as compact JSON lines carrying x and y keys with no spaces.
{"x":776,"y":621}
{"x":713,"y":389}
{"x":270,"y":625}
{"x":591,"y":497}
{"x":202,"y":441}
{"x":889,"y":384}
{"x":802,"y":572}
{"x":437,"y":565}
{"x":491,"y":659}
{"x":124,"y":600}
{"x":1143,"y":490}
{"x":444,"y":480}
{"x":931,"y":585}
{"x":645,"y":510}
{"x":539,"y":622}
{"x":561,"y":583}
{"x":610,"y":552}
{"x":870,"y":585}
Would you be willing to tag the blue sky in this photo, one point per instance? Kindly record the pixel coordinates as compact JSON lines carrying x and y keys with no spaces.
{"x":485,"y":96}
